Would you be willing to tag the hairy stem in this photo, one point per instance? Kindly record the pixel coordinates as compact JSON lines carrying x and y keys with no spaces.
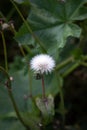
{"x":22,"y":51}
{"x":84,"y":57}
{"x":62,"y":107}
{"x":43,"y":87}
{"x":64,"y":63}
{"x":26,"y":47}
{"x":73,"y":67}
{"x":84,"y":64}
{"x":5,"y":51}
{"x":62,"y":103}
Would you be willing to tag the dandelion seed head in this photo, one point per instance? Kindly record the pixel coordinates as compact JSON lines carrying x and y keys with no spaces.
{"x":42,"y":63}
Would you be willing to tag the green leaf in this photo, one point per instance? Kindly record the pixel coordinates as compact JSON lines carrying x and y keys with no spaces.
{"x":81,"y":15}
{"x":21,"y":82}
{"x":33,"y":121}
{"x":20,"y":90}
{"x":5,"y":103}
{"x":46,"y":107}
{"x":52,"y":22}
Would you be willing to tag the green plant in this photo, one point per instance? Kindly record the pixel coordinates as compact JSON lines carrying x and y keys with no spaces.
{"x":51,"y":27}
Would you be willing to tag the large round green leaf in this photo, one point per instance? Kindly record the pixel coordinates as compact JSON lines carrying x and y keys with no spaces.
{"x":52,"y":21}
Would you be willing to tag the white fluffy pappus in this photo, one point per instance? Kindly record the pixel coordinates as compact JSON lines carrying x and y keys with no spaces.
{"x":42,"y":63}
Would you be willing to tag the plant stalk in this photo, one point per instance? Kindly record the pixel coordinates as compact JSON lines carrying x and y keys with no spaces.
{"x":62,"y":104}
{"x":84,"y":64}
{"x":5,"y":51}
{"x":27,"y":49}
{"x":43,"y":88}
{"x":67,"y":72}
{"x":64,"y":63}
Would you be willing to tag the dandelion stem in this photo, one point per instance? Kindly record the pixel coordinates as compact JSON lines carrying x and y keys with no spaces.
{"x":43,"y":87}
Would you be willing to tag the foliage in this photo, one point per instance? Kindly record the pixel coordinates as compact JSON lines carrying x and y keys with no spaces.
{"x":54,"y":27}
